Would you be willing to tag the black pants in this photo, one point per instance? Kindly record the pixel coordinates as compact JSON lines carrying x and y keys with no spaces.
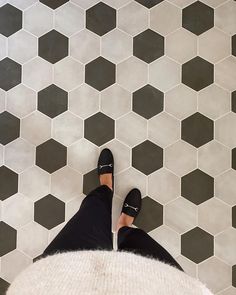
{"x":90,"y":229}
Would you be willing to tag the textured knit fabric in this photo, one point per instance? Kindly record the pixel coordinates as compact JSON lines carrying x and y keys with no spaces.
{"x":104,"y":272}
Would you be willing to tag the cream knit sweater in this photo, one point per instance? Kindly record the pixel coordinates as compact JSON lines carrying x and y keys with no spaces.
{"x":103,"y":272}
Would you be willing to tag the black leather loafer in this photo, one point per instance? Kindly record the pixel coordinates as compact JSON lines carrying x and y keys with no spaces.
{"x":132,"y":203}
{"x":106,"y":163}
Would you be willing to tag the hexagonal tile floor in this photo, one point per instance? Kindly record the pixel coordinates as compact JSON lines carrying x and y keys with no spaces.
{"x":77,"y":76}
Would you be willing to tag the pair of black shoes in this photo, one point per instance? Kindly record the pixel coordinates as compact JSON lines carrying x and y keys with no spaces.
{"x":133,"y":201}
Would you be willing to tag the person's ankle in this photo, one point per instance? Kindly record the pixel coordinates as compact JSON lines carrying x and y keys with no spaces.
{"x":124,"y":220}
{"x":106,"y":179}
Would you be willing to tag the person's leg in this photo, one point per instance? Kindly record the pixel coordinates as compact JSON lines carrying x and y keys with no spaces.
{"x":137,"y":241}
{"x":90,"y":227}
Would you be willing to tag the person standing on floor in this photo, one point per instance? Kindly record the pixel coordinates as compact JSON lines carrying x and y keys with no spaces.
{"x":81,"y":259}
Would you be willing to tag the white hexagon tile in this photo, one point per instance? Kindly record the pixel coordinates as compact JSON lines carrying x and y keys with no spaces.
{"x":159,"y":91}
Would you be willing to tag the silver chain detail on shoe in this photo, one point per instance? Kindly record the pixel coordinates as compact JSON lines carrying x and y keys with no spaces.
{"x":108,"y":165}
{"x":127,"y":205}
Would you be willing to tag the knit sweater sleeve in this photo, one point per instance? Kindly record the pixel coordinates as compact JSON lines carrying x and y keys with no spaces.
{"x":104,"y":272}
